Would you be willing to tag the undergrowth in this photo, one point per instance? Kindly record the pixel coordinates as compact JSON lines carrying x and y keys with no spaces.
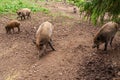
{"x":11,"y":6}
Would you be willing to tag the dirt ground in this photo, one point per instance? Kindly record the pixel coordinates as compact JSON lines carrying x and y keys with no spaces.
{"x":74,"y":59}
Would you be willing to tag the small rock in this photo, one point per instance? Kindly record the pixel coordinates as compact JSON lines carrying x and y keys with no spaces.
{"x":116,"y":79}
{"x":46,"y":76}
{"x":16,"y":52}
{"x":34,"y":71}
{"x":35,"y":28}
{"x":60,"y":73}
{"x":119,"y":73}
{"x":52,"y":65}
{"x":94,"y":53}
{"x":114,"y":63}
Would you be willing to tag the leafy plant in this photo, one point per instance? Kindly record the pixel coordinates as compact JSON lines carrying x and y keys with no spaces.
{"x":11,"y":6}
{"x":97,"y":9}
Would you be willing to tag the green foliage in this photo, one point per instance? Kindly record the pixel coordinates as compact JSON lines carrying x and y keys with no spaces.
{"x":98,"y":8}
{"x":10,"y":6}
{"x":51,"y":0}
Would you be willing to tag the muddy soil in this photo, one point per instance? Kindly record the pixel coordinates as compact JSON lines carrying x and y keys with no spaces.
{"x":74,"y":59}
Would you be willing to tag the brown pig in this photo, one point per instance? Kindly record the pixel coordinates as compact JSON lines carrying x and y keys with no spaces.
{"x":43,"y":36}
{"x":74,"y":10}
{"x":105,"y":35}
{"x":23,"y":13}
{"x":11,"y":25}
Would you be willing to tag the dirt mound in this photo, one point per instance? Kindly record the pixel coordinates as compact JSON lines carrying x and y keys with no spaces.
{"x":97,"y":67}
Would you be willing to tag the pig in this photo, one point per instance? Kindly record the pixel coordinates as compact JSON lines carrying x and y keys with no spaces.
{"x":22,"y":13}
{"x":11,"y":25}
{"x":43,"y":37}
{"x":74,"y":10}
{"x":105,"y":35}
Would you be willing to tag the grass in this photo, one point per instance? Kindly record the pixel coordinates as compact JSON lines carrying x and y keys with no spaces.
{"x":11,"y":6}
{"x":51,"y":0}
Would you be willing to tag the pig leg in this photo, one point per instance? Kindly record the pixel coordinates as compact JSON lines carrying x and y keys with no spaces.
{"x":13,"y":30}
{"x":50,"y":44}
{"x":21,"y":17}
{"x":9,"y":30}
{"x":111,"y":41}
{"x":44,"y":48}
{"x":18,"y":29}
{"x":42,"y":51}
{"x":106,"y":43}
{"x":24,"y":17}
{"x":28,"y":16}
{"x":51,"y":41}
{"x":97,"y":47}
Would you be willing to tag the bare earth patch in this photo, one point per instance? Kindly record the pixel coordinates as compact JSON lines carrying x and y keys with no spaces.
{"x":74,"y":59}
